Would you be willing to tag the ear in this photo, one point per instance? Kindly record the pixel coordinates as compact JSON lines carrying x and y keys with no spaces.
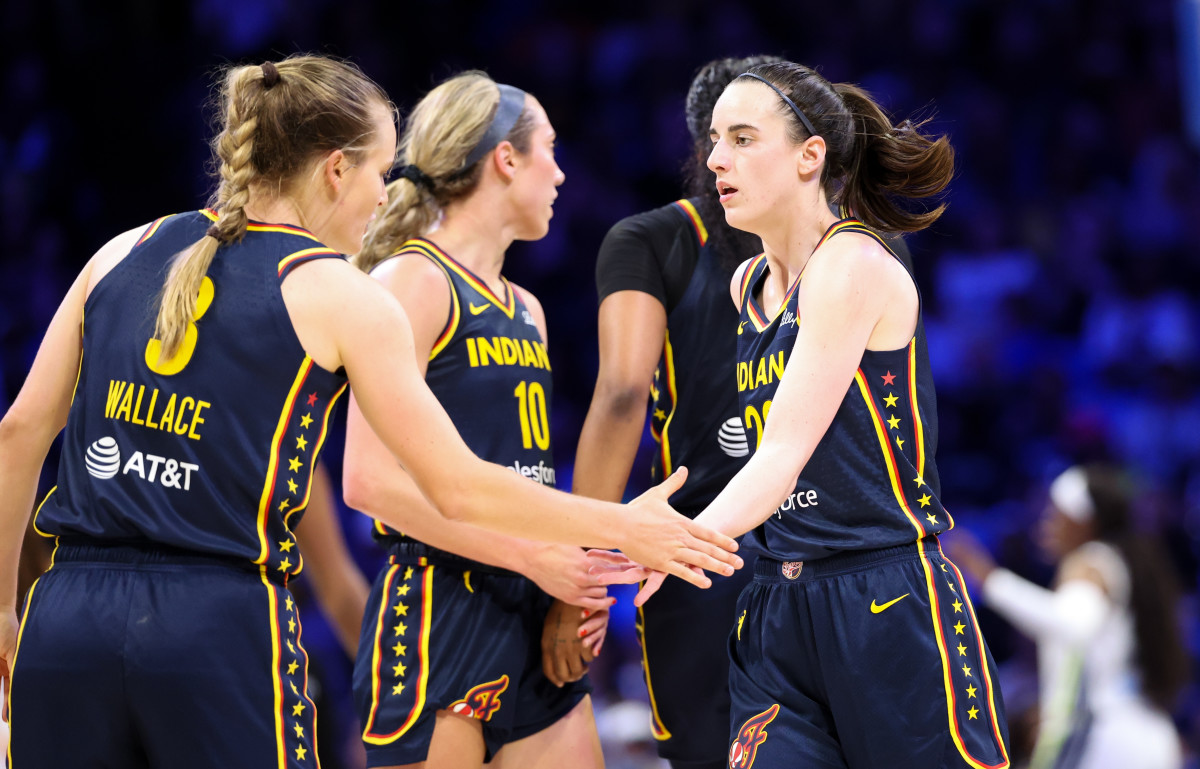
{"x":811,"y":156}
{"x":504,"y":160}
{"x":334,"y":170}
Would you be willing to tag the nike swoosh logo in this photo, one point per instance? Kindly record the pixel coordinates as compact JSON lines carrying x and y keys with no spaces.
{"x":876,"y":608}
{"x":741,"y":326}
{"x":476,"y":310}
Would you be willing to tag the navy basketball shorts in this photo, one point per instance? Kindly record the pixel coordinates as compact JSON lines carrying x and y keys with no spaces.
{"x":136,"y":657}
{"x":450,"y":637}
{"x":859,"y":660}
{"x":684,"y":632}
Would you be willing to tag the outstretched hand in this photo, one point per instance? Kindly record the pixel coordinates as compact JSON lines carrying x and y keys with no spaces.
{"x":663,"y":540}
{"x":612,"y":568}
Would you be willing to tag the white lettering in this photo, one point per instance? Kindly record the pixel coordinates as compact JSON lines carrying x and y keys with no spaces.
{"x":156,"y":460}
{"x":135,"y":463}
{"x":797,"y":499}
{"x":541,"y":472}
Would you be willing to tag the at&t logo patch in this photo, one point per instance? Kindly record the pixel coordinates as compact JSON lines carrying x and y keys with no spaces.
{"x":103,"y":458}
{"x":732,"y":438}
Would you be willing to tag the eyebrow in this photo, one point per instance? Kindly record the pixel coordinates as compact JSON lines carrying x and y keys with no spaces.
{"x":734,"y":127}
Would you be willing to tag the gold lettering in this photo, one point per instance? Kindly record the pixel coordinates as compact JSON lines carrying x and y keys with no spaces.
{"x":776,"y":366}
{"x":743,"y":376}
{"x":115,"y":389}
{"x":126,"y":404}
{"x":196,"y":420}
{"x":512,"y":353}
{"x":474,"y":356}
{"x":760,"y":378}
{"x":492,"y":349}
{"x":543,"y":358}
{"x":138,"y":406}
{"x":527,"y":354}
{"x":181,"y":427}
{"x":150,"y":411}
{"x":168,"y":414}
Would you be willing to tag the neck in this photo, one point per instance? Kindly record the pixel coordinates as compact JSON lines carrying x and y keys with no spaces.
{"x":474,"y":232}
{"x":276,"y":209}
{"x":790,"y":243}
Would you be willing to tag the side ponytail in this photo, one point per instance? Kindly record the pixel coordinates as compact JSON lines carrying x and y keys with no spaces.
{"x":892,"y":164}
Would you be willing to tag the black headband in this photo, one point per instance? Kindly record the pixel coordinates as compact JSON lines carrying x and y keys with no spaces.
{"x":812,"y":131}
{"x":416,"y":176}
{"x":512,"y":104}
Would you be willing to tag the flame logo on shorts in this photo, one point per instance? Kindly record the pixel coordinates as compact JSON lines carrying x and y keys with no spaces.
{"x":481,"y":701}
{"x":752,"y":734}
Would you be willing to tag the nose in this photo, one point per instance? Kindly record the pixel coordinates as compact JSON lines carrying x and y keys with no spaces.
{"x":718,"y":159}
{"x":559,"y":176}
{"x":383,"y":196}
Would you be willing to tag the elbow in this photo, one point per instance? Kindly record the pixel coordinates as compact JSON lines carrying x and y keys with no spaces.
{"x":622,"y":399}
{"x":358,"y":488}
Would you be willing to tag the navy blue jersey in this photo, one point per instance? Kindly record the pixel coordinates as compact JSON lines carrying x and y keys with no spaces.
{"x":489,"y":369}
{"x":213,"y":451}
{"x":871,"y":481}
{"x":694,"y":414}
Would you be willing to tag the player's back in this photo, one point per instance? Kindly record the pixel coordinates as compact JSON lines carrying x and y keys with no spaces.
{"x":213,"y":450}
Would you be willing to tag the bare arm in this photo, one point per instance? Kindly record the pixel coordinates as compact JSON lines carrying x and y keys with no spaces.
{"x":632,"y":327}
{"x":377,"y":484}
{"x":337,"y":582}
{"x":37,"y":415}
{"x":854,"y":296}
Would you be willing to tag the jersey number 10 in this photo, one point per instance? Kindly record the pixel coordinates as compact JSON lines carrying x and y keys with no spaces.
{"x":531,"y":407}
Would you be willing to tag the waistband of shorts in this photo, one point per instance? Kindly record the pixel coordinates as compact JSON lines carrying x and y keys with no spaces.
{"x":411,"y":549}
{"x":768,"y":569}
{"x":80,"y":551}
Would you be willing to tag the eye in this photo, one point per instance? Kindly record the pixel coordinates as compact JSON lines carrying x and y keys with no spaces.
{"x":742,"y":141}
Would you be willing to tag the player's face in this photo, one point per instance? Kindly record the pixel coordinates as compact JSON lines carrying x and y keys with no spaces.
{"x":537,"y":179}
{"x":753,"y":158}
{"x":1059,"y":534}
{"x":363,"y":189}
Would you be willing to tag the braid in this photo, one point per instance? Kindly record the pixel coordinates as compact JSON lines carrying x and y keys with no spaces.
{"x":234,"y":147}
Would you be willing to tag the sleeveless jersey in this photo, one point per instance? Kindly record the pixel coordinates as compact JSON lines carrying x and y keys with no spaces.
{"x":694,"y":411}
{"x":489,"y":369}
{"x":213,"y":451}
{"x":871,"y":481}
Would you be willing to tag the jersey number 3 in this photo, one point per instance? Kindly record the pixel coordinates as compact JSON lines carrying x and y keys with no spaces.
{"x":183,"y":355}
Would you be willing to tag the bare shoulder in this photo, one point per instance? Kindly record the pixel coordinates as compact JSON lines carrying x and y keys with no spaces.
{"x":535,"y":309}
{"x":412,"y":273}
{"x":735,"y":283}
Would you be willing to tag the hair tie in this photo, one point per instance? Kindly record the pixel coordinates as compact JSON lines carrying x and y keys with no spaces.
{"x":512,"y":104}
{"x":416,"y":176}
{"x":213,"y":232}
{"x":270,"y":74}
{"x":812,"y":131}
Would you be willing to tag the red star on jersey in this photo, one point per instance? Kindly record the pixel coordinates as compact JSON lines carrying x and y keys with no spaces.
{"x":312,"y":398}
{"x":887,"y":378}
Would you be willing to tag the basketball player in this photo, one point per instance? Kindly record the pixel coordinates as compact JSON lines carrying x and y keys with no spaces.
{"x":662,"y":277}
{"x":856,"y":644}
{"x":449,"y":666}
{"x":195,"y":398}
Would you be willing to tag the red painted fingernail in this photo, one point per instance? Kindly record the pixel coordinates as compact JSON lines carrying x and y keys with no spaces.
{"x":582,"y":632}
{"x":586,"y":613}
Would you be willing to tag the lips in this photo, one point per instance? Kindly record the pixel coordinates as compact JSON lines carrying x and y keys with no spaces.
{"x":725,"y":190}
